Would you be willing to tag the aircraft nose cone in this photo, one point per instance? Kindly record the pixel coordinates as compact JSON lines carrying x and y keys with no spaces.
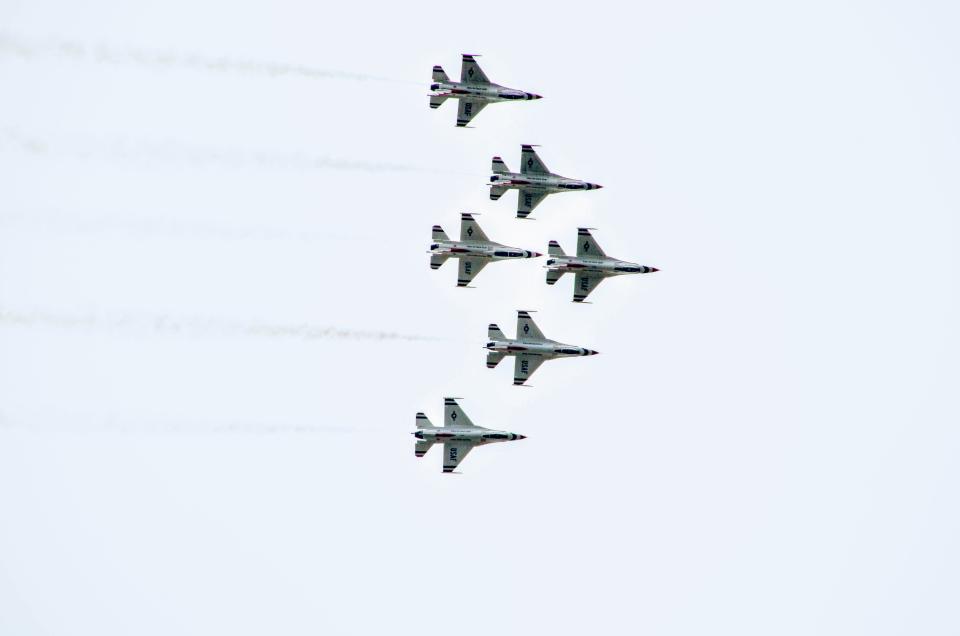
{"x":521,"y":437}
{"x":654,"y":269}
{"x":534,"y":96}
{"x":597,"y":186}
{"x":535,"y":254}
{"x":591,"y":352}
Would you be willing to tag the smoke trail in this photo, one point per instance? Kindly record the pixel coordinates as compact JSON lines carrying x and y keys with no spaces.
{"x":175,"y":152}
{"x":51,"y":222}
{"x":88,"y":423}
{"x":51,"y":48}
{"x":196,"y":326}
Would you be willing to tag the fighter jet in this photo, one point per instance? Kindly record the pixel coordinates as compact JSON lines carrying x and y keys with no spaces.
{"x":458,"y":435}
{"x":533,"y":183}
{"x":590,"y":265}
{"x":474,"y":250}
{"x":473,"y":90}
{"x":531,"y":348}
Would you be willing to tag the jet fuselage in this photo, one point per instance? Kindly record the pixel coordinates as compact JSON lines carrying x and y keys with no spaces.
{"x":480,"y":249}
{"x":545,"y":348}
{"x":607,"y":266}
{"x":543,"y":182}
{"x":480,"y":92}
{"x":473,"y":435}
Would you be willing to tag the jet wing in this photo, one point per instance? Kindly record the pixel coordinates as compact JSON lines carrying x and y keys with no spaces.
{"x":453,"y":454}
{"x":584,"y":283}
{"x":453,"y":415}
{"x":524,"y":366}
{"x":527,"y":200}
{"x":527,"y":329}
{"x":470,"y":231}
{"x":471,"y":73}
{"x":469,"y":109}
{"x":586,"y":246}
{"x":470,"y":266}
{"x":530,"y":162}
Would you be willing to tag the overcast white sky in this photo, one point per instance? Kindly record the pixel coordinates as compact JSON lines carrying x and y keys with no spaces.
{"x":767,"y":444}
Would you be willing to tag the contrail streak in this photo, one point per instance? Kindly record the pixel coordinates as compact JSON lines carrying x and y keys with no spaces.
{"x":196,"y":326}
{"x":176,"y":152}
{"x":59,"y":422}
{"x":30,"y":49}
{"x":49,"y":222}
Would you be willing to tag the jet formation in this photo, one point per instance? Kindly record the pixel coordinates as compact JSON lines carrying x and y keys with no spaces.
{"x":533,"y":183}
{"x":475,"y":250}
{"x":474,"y":90}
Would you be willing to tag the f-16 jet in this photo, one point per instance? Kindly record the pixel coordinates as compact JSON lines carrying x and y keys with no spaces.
{"x":473,"y":90}
{"x":590,"y":265}
{"x":533,"y":183}
{"x":531,"y":348}
{"x":458,"y":435}
{"x":474,"y":250}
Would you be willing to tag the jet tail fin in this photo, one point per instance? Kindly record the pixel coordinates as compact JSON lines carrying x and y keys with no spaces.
{"x":497,"y":191}
{"x":423,"y":422}
{"x":554,"y":249}
{"x":494,"y":333}
{"x":439,"y":75}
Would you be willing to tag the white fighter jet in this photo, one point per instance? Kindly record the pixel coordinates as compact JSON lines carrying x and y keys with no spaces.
{"x":474,"y":250}
{"x":473,"y":90}
{"x":590,"y":265}
{"x":458,"y":435}
{"x":533,"y":183}
{"x":530,"y":348}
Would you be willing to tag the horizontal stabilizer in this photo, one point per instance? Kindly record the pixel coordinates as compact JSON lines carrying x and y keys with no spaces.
{"x":494,"y":333}
{"x":439,"y":75}
{"x":494,"y":358}
{"x":439,"y":234}
{"x":422,"y":446}
{"x":554,"y":249}
{"x":436,"y":101}
{"x":499,"y":167}
{"x":436,"y":260}
{"x":554,"y":275}
{"x":423,"y":422}
{"x":497,"y":191}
